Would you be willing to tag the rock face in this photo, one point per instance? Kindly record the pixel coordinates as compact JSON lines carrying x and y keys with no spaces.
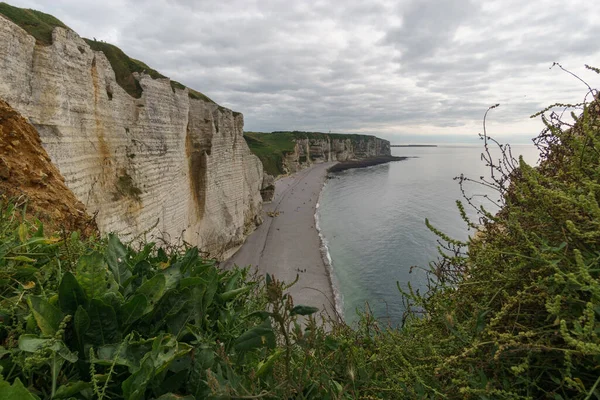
{"x":27,"y":175}
{"x":309,"y":151}
{"x":164,"y":165}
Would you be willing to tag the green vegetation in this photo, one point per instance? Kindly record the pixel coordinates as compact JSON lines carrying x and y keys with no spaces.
{"x":321,"y":135}
{"x":271,"y":148}
{"x":124,"y":67}
{"x":36,"y":23}
{"x":89,"y":318}
{"x":126,"y":186}
{"x":511,"y":314}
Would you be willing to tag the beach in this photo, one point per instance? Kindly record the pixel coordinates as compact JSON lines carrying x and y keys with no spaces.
{"x":287,"y":243}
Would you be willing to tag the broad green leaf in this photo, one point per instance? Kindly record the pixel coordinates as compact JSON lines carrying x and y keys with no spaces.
{"x":93,"y":276}
{"x":338,"y":387}
{"x":161,"y":255}
{"x":174,"y":383}
{"x":234,"y":293}
{"x":233,"y":279}
{"x":188,"y":260}
{"x":189,"y":282}
{"x":153,"y":289}
{"x":81,"y":324}
{"x":47,"y":316}
{"x":71,"y":389}
{"x":63,"y":351}
{"x":259,"y":336}
{"x":169,"y":305}
{"x":113,"y":299}
{"x":172,"y":277}
{"x":133,"y":309}
{"x":212,"y":285}
{"x":104,"y":327}
{"x":264,"y":367}
{"x":15,"y":392}
{"x":165,"y":349}
{"x":260,"y":314}
{"x":129,"y":355}
{"x":32,"y":343}
{"x":116,"y":258}
{"x":204,"y":357}
{"x":134,"y":387}
{"x":303,"y":310}
{"x":70,"y":294}
{"x":331,"y":343}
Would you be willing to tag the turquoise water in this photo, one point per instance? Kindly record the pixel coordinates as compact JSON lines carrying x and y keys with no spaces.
{"x":372,"y":221}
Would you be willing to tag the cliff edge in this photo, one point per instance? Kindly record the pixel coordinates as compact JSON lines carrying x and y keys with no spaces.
{"x":171,"y":163}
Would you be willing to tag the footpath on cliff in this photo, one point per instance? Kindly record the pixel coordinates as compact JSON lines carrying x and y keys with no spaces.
{"x":287,"y":243}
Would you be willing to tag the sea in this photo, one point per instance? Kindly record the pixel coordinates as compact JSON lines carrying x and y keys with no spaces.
{"x":372,"y":222}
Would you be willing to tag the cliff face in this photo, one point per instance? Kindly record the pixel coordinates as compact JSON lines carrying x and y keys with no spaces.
{"x":329,"y":148}
{"x":165,"y":164}
{"x":27,"y":174}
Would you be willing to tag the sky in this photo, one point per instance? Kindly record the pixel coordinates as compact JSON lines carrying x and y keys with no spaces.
{"x":418,"y":71}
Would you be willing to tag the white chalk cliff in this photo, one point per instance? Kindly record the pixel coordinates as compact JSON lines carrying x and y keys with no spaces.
{"x":329,"y":148}
{"x":165,"y":164}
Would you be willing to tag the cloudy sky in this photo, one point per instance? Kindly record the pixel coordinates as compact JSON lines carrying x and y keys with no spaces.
{"x":406,"y":70}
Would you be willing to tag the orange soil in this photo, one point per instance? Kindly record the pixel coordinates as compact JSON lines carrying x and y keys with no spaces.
{"x":28,"y":175}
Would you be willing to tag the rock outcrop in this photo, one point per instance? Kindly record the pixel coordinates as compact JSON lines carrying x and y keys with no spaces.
{"x":28,"y":176}
{"x":329,"y":148}
{"x":164,"y":165}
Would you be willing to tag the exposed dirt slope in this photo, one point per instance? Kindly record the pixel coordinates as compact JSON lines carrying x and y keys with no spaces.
{"x":26,"y":172}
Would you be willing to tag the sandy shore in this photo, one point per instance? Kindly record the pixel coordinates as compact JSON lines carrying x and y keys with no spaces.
{"x":288,"y":244}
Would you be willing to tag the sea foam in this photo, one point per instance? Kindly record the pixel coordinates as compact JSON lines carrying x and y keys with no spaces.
{"x":338,"y":298}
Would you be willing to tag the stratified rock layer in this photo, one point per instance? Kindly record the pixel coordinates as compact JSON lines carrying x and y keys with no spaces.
{"x":28,"y":176}
{"x":164,"y":165}
{"x":309,"y":151}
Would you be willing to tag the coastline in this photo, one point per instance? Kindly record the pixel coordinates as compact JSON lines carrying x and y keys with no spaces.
{"x":364,"y":163}
{"x":288,"y":243}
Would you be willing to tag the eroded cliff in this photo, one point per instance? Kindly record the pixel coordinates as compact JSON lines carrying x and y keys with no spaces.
{"x":28,"y":176}
{"x":166,"y":164}
{"x":288,"y":152}
{"x":332,"y":148}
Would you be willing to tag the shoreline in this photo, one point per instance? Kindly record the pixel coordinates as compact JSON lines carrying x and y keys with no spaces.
{"x":288,"y":243}
{"x":338,"y":300}
{"x":364,"y":163}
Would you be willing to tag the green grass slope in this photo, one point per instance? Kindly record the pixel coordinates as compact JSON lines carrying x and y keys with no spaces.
{"x":36,"y":23}
{"x":270,"y":149}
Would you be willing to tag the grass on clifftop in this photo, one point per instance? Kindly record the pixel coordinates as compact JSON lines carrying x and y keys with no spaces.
{"x":36,"y":23}
{"x":270,"y":148}
{"x":322,"y":135}
{"x":124,"y":67}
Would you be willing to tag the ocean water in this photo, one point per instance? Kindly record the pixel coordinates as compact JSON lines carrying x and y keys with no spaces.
{"x":372,"y":222}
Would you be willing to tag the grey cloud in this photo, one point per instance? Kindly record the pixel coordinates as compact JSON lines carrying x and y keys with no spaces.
{"x":381,"y":66}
